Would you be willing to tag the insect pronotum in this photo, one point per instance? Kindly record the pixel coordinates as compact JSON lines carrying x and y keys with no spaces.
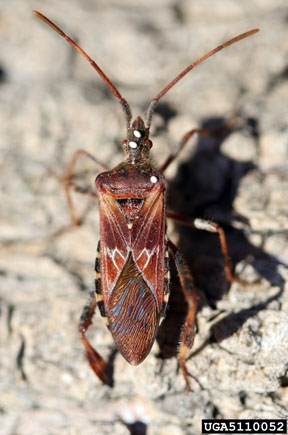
{"x":132,"y":264}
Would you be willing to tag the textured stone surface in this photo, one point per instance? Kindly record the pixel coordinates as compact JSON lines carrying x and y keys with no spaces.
{"x":53,"y":103}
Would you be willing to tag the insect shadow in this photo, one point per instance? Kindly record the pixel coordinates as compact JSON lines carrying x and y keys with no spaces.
{"x":137,"y":428}
{"x":206,"y":186}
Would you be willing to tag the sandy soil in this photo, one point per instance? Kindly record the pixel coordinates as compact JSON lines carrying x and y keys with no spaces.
{"x":53,"y":103}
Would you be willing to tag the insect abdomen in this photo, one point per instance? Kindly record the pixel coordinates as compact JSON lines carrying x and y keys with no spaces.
{"x":98,"y":288}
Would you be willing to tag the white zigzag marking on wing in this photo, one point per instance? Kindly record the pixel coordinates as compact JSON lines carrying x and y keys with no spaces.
{"x":111,"y":253}
{"x":149,"y":253}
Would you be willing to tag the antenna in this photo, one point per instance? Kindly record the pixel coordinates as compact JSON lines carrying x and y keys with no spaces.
{"x":123,"y":102}
{"x":151,"y":107}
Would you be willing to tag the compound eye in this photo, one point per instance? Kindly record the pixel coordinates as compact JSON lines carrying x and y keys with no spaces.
{"x":148,"y":143}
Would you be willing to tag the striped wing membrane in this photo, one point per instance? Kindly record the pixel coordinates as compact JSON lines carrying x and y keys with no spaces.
{"x":133,"y":315}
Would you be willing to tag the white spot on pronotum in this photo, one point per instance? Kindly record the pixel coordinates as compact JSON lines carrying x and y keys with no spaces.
{"x":153,"y":179}
{"x":133,"y":145}
{"x":137,"y":133}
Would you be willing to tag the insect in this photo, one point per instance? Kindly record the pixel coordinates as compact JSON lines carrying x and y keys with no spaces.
{"x":132,"y":264}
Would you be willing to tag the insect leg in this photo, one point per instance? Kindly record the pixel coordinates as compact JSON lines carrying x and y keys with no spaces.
{"x":98,"y":365}
{"x":206,"y":225}
{"x":69,"y":184}
{"x":185,"y":139}
{"x":75,"y":157}
{"x":218,"y":132}
{"x":192,"y":298}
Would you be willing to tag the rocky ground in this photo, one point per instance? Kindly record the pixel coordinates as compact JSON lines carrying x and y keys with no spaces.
{"x":52,"y":103}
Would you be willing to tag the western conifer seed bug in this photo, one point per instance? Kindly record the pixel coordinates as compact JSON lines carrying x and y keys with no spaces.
{"x":132,"y":263}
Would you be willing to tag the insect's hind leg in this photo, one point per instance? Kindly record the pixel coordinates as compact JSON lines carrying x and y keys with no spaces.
{"x":212,"y":227}
{"x":97,"y":363}
{"x":192,"y":299}
{"x":70,"y":185}
{"x":206,"y":225}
